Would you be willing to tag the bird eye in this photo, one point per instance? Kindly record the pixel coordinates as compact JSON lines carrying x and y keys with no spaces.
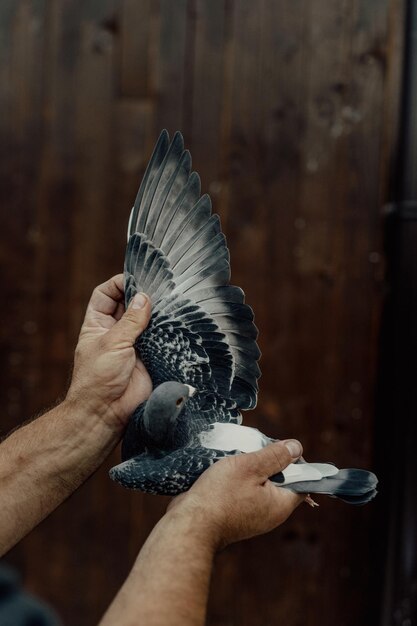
{"x":179,"y":401}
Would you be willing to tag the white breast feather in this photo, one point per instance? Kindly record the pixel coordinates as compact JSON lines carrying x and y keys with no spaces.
{"x":233,"y":437}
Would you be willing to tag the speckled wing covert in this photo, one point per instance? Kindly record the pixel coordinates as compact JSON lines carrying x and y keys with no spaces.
{"x":168,"y":475}
{"x":201,"y":332}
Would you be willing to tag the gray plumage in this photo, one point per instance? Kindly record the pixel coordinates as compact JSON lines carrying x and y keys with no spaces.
{"x":201,"y":334}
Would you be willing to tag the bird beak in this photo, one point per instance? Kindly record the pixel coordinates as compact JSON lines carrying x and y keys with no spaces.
{"x":191,"y":391}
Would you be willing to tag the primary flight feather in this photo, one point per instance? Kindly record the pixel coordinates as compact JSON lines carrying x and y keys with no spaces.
{"x":199,"y":347}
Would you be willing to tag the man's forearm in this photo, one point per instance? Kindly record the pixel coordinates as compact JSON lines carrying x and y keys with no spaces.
{"x":170,"y":579}
{"x":42,"y":463}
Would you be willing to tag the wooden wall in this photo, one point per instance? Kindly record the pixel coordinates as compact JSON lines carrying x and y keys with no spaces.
{"x":289,"y":108}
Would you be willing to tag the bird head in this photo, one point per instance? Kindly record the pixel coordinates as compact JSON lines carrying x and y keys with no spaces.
{"x":163,"y":408}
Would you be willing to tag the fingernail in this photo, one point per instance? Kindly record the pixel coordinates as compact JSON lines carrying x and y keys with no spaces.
{"x":294,"y":448}
{"x":139,"y":301}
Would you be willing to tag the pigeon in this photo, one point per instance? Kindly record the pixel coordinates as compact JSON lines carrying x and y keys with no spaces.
{"x":200,"y":346}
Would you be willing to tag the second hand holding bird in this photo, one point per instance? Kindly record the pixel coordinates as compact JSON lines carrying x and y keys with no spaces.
{"x":234,"y":499}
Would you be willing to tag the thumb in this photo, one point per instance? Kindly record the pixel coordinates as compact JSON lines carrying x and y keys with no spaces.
{"x":133,"y":322}
{"x":273,"y":458}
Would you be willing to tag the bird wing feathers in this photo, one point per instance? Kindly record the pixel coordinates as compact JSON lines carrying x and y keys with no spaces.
{"x":168,"y":475}
{"x":201,"y":331}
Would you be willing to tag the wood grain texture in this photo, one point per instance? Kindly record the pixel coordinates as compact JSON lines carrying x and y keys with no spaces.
{"x":289,"y":108}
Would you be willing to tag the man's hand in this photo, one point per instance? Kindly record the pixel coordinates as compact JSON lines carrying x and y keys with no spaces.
{"x":234,"y":499}
{"x":46,"y":460}
{"x":108,"y":378}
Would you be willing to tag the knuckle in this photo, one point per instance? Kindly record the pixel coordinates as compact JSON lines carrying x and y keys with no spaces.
{"x":279,"y":454}
{"x":251,"y":463}
{"x":268,"y":461}
{"x":134,"y":322}
{"x":126,"y":323}
{"x":130,"y":317}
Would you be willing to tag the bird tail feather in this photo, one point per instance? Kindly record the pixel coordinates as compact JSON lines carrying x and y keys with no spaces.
{"x":354,"y":486}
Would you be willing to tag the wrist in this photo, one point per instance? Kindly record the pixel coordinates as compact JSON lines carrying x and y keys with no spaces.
{"x":82,"y":438}
{"x":193,"y":520}
{"x":90,"y":433}
{"x":93,"y":412}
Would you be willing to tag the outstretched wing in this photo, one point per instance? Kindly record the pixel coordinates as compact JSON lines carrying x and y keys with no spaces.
{"x":201,"y":332}
{"x":182,"y":342}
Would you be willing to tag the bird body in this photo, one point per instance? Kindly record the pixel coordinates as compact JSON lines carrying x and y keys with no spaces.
{"x":199,"y":347}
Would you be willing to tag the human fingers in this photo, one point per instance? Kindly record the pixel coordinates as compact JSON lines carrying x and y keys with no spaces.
{"x":284,"y":502}
{"x":107,"y":297}
{"x":272,"y":459}
{"x":132,"y":323}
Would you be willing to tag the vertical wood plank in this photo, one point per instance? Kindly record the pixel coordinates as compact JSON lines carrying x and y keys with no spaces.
{"x":21,"y":125}
{"x":135,"y":77}
{"x":207,"y":94}
{"x":170,"y":62}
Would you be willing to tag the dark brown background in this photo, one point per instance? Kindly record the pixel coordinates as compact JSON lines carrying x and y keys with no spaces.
{"x":290,"y":110}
